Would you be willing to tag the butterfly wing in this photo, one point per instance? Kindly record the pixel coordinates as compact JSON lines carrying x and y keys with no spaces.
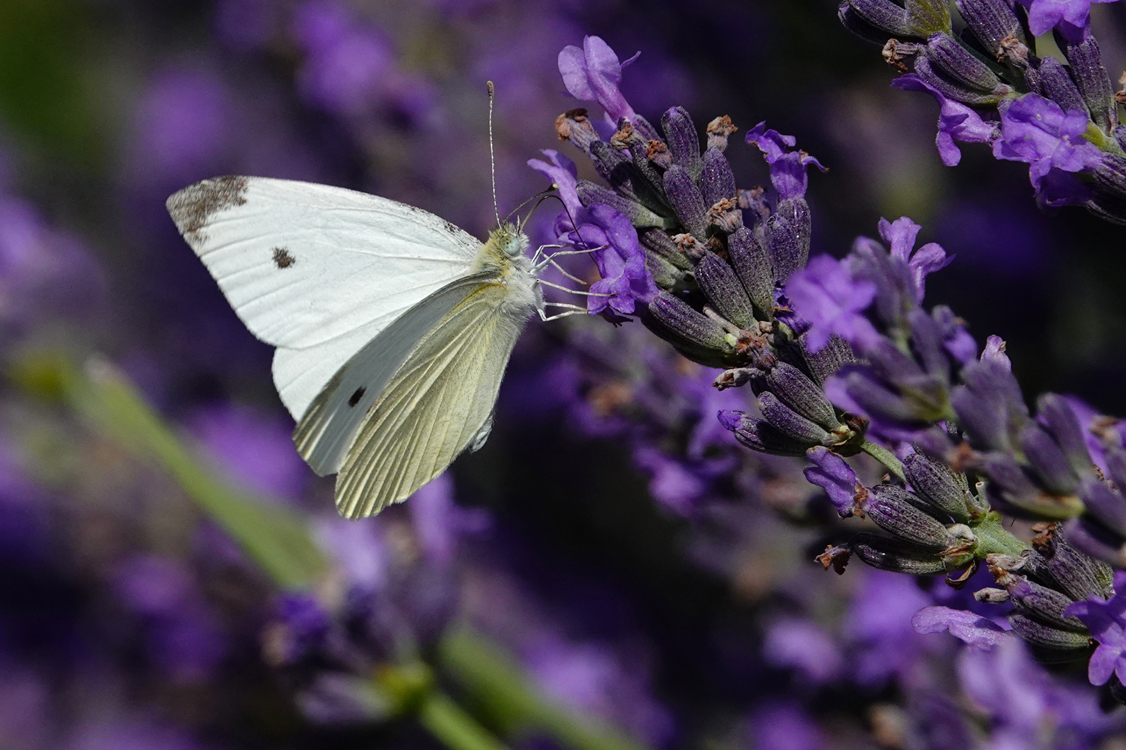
{"x":435,"y":405}
{"x":327,"y":429}
{"x":317,"y":271}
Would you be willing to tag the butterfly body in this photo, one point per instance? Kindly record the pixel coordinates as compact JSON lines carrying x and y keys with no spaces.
{"x":393,"y":327}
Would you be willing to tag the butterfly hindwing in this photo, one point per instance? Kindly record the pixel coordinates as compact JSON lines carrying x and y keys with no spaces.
{"x":433,"y":408}
{"x":327,"y":429}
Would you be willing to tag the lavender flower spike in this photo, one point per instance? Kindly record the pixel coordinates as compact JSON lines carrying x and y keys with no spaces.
{"x":593,"y":73}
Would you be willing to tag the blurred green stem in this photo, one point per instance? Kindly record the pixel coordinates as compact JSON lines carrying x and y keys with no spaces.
{"x":494,"y":679}
{"x":272,"y":535}
{"x":278,"y":540}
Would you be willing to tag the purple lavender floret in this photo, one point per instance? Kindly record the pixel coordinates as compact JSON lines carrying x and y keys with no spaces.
{"x":1037,"y":131}
{"x":969,"y":627}
{"x":592,"y":74}
{"x":1105,"y":617}
{"x":1071,"y":17}
{"x":956,"y":121}
{"x":787,"y":167}
{"x":621,"y":262}
{"x":831,"y":473}
{"x":826,"y":295}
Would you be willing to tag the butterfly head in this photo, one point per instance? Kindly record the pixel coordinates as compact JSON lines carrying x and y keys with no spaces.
{"x":509,"y":240}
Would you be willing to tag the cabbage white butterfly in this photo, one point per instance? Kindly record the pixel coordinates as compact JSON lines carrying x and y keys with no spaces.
{"x":393,"y":327}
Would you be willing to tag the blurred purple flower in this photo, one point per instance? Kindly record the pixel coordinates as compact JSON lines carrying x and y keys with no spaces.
{"x":621,"y":261}
{"x":804,"y":647}
{"x":593,"y":73}
{"x":439,"y":521}
{"x":347,"y":63}
{"x":956,"y":121}
{"x":779,"y":725}
{"x":1035,"y":130}
{"x":256,"y":450}
{"x":246,"y":25}
{"x":184,"y":126}
{"x":1106,"y":619}
{"x":787,"y":168}
{"x":884,"y":644}
{"x":827,"y":296}
{"x":1071,"y":17}
{"x":183,"y":636}
{"x":132,"y":734}
{"x":831,"y":473}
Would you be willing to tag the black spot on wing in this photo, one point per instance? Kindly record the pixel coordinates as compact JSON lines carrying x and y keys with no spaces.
{"x":282,"y":258}
{"x":355,"y":397}
{"x":192,"y":207}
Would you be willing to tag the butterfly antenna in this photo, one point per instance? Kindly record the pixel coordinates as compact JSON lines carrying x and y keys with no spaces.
{"x":492,"y":152}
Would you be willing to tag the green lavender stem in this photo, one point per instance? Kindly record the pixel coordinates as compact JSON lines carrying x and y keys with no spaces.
{"x":884,"y":456}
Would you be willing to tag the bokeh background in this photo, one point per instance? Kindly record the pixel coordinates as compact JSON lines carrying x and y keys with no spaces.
{"x":611,"y":572}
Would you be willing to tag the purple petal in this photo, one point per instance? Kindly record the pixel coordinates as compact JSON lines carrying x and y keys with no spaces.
{"x":831,"y":473}
{"x":968,"y":627}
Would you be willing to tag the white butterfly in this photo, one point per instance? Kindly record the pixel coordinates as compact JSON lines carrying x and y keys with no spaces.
{"x":392,"y":326}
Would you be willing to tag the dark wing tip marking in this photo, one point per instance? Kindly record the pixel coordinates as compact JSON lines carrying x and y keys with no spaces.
{"x":282,"y":258}
{"x":355,"y":397}
{"x":192,"y":207}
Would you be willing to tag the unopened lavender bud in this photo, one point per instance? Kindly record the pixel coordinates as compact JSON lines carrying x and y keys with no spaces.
{"x":718,"y":282}
{"x":1055,"y":412}
{"x":717,"y":180}
{"x":659,"y":243}
{"x":990,"y":405}
{"x":753,"y":267}
{"x":790,"y":423}
{"x":874,"y":19}
{"x":590,"y":193}
{"x":904,"y":520}
{"x":759,"y":435}
{"x":1057,"y":85}
{"x":1049,"y":465}
{"x":626,"y":136}
{"x":1044,"y":604}
{"x":665,"y":274}
{"x":1093,"y":82}
{"x":1104,"y":505}
{"x":788,"y":233}
{"x":801,"y":394}
{"x":1092,"y":538}
{"x":1046,"y":636}
{"x":719,"y":130}
{"x":1075,"y":573}
{"x":690,"y":247}
{"x":896,"y":555}
{"x":684,"y":142}
{"x":825,"y":362}
{"x":959,"y":64}
{"x":694,"y":334}
{"x":941,"y":487}
{"x":575,"y":126}
{"x":613,"y":167}
{"x":1011,"y":486}
{"x":992,"y":22}
{"x":956,"y":90}
{"x":928,"y":17}
{"x":687,"y":200}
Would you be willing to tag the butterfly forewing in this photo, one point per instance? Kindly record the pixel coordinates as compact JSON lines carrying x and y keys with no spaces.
{"x":315,"y":270}
{"x":433,"y":407}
